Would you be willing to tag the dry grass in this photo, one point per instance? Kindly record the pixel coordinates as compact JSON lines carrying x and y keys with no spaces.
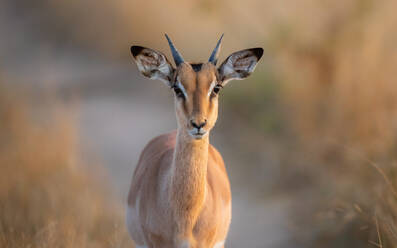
{"x":48,"y":198}
{"x":340,"y":80}
{"x":339,"y":91}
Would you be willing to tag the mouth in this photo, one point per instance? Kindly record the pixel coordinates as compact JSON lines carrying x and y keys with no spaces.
{"x":197,"y":134}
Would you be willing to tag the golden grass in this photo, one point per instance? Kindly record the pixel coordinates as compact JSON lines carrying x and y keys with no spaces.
{"x":340,"y":80}
{"x":339,"y":90}
{"x":48,"y":198}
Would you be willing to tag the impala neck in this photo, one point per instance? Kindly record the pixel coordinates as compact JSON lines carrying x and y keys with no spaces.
{"x":188,"y":179}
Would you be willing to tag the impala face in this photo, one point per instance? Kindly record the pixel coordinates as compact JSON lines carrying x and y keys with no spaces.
{"x":196,"y":98}
{"x":196,"y":86}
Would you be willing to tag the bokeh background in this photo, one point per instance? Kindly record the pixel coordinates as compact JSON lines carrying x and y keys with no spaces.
{"x":309,"y":139}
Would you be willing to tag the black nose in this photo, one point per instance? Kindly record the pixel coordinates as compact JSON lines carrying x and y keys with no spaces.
{"x":198,"y":126}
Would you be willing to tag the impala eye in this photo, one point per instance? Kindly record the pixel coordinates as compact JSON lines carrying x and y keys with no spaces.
{"x":178,"y":92}
{"x":217,"y":88}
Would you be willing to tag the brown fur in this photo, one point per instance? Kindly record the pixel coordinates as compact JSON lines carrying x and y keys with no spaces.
{"x":180,"y":193}
{"x":181,"y":182}
{"x":188,"y":214}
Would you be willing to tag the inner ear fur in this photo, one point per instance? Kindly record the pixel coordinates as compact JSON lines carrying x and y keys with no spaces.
{"x":153,"y":64}
{"x":239,"y":65}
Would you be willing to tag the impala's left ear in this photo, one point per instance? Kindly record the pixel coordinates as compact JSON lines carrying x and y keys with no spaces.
{"x":239,"y":65}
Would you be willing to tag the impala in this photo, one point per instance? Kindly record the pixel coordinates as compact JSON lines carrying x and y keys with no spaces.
{"x":180,"y":192}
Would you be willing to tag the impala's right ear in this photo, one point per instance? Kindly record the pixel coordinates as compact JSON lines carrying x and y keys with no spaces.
{"x":152,"y":64}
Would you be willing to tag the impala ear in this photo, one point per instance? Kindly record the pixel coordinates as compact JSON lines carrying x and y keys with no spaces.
{"x":239,"y":65}
{"x":152,"y":64}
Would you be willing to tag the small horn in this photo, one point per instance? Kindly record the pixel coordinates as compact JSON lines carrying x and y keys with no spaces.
{"x":177,"y":56}
{"x":214,"y":56}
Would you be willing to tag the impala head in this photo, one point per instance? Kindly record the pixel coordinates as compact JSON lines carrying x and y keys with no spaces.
{"x":196,"y":86}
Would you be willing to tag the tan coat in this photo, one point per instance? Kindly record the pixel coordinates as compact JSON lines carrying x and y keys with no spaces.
{"x":192,"y":203}
{"x":180,"y":193}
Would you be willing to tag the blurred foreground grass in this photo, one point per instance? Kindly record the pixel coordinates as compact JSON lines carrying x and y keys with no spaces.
{"x":48,"y":197}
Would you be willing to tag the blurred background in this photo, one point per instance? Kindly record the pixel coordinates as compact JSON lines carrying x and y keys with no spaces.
{"x":309,"y":140}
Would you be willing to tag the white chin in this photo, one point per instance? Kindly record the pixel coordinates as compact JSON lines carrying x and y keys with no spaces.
{"x":196,"y":135}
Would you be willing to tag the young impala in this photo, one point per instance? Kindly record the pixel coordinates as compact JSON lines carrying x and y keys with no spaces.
{"x":180,"y":192}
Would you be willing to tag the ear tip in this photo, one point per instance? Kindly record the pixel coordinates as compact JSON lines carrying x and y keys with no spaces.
{"x":258,"y":51}
{"x":135,"y":50}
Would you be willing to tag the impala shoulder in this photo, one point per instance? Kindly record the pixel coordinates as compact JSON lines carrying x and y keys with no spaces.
{"x":167,"y":139}
{"x":216,"y":157}
{"x":157,"y":150}
{"x":160,"y":144}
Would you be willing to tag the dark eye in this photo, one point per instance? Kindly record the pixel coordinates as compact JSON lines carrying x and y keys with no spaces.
{"x":178,"y":92}
{"x":216,"y":89}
